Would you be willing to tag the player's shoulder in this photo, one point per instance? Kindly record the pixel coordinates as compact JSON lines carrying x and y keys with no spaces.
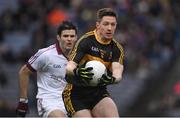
{"x":117,"y":43}
{"x":86,"y":36}
{"x":85,"y":39}
{"x":46,"y":50}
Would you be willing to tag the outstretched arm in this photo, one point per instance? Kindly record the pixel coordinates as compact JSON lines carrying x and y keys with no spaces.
{"x":22,"y":107}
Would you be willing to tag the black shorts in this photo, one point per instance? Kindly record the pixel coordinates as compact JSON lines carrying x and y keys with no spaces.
{"x":79,"y":98}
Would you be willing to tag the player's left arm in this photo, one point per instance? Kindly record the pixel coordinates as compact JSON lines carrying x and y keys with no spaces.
{"x":117,"y":67}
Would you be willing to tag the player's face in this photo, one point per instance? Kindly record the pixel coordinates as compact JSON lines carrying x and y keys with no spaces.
{"x":67,"y":39}
{"x":106,"y":27}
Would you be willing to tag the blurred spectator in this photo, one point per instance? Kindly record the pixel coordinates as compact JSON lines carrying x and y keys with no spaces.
{"x":56,"y":16}
{"x":176,"y":88}
{"x":3,"y":78}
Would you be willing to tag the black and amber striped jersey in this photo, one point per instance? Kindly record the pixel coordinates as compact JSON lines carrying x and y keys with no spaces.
{"x":89,"y":47}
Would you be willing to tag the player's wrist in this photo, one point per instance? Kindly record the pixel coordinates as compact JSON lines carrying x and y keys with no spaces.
{"x":22,"y":107}
{"x":75,"y":71}
{"x":115,"y":80}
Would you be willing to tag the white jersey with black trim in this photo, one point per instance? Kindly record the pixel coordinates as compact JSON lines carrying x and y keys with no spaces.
{"x":49,"y":63}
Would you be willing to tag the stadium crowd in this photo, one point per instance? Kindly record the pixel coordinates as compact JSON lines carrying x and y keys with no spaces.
{"x":149,"y":30}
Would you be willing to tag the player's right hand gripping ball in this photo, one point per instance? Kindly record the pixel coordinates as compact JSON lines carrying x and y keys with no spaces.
{"x":22,"y":109}
{"x":84,"y":73}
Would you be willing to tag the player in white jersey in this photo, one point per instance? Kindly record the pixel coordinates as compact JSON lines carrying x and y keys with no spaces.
{"x":49,"y":63}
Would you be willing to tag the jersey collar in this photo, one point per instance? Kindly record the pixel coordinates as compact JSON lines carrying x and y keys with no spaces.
{"x":59,"y":50}
{"x":98,"y":38}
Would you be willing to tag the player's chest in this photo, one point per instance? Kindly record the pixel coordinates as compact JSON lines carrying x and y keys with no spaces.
{"x":56,"y":65}
{"x":103,"y":52}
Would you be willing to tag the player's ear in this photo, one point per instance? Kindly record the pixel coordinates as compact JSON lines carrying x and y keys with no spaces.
{"x":97,"y":24}
{"x":58,"y":37}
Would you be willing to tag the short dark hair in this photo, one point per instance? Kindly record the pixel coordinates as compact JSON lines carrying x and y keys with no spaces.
{"x":105,"y":12}
{"x":66,"y":25}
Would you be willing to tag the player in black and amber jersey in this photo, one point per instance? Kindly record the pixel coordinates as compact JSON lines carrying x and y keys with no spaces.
{"x":82,"y":100}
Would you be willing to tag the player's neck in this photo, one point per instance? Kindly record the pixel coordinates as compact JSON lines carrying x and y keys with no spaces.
{"x":64,"y":51}
{"x":101,"y":39}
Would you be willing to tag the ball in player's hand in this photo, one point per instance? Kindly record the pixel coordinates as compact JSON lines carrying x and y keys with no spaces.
{"x":98,"y":69}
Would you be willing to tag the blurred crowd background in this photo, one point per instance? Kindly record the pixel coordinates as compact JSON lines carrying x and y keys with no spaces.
{"x":149,"y":31}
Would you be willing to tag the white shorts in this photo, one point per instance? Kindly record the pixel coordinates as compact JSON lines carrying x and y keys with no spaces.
{"x":47,"y":105}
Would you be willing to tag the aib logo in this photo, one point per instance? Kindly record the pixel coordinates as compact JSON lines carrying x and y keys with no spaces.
{"x":56,"y":66}
{"x":95,"y":49}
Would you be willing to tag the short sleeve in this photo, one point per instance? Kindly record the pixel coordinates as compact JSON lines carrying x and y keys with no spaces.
{"x":37,"y":61}
{"x":79,"y":50}
{"x":118,"y":53}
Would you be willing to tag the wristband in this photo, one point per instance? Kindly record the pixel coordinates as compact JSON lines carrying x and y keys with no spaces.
{"x":23,"y":100}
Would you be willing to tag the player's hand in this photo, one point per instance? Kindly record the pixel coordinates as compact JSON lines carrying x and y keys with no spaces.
{"x":84,"y":74}
{"x":22,"y":108}
{"x":106,"y":80}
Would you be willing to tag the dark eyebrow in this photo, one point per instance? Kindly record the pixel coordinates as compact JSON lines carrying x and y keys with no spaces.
{"x":66,"y":35}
